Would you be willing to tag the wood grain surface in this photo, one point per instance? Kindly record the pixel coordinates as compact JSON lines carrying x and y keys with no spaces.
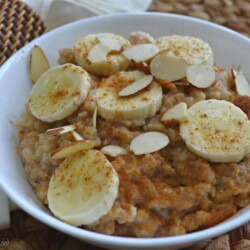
{"x":27,"y":233}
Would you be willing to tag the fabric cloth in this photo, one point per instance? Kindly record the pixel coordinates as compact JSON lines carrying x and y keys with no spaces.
{"x":58,"y":12}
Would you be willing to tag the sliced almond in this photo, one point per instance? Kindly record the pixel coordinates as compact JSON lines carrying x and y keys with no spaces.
{"x":218,"y":68}
{"x":176,"y":114}
{"x":201,"y":76}
{"x":148,"y":142}
{"x":234,"y":73}
{"x":60,"y":130}
{"x":38,"y":63}
{"x":165,"y":84}
{"x":98,"y":53}
{"x":242,"y":85}
{"x":94,"y":117}
{"x":141,"y":52}
{"x":182,"y":82}
{"x":77,"y":136}
{"x":136,"y":86}
{"x":141,"y":66}
{"x":113,"y":150}
{"x":139,"y":37}
{"x":109,"y":42}
{"x":72,"y":148}
{"x":168,"y":68}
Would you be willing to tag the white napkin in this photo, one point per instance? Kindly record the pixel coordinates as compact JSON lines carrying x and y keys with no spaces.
{"x":59,"y":12}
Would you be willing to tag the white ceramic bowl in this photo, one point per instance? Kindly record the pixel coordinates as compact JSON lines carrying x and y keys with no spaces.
{"x":229,"y":48}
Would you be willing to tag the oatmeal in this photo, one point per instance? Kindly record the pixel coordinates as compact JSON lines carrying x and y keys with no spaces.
{"x":149,"y":143}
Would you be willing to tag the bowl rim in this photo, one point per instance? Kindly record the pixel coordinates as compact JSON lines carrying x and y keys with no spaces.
{"x":110,"y":239}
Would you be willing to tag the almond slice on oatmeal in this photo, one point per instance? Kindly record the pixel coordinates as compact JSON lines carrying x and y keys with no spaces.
{"x":242,"y":85}
{"x":140,"y":37}
{"x":72,"y":148}
{"x":182,"y":82}
{"x":141,"y":66}
{"x":233,"y":73}
{"x":94,"y":117}
{"x":168,"y":68}
{"x":113,"y":150}
{"x":148,"y":142}
{"x":136,"y":86}
{"x":61,"y":130}
{"x":112,"y":44}
{"x":176,"y":114}
{"x":38,"y":63}
{"x":98,"y":53}
{"x":166,"y":84}
{"x":77,"y":136}
{"x":141,"y":52}
{"x":201,"y":76}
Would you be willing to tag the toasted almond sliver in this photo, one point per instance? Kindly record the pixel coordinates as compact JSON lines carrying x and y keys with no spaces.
{"x":72,"y":148}
{"x":141,"y":66}
{"x":139,"y":37}
{"x":234,"y":73}
{"x":113,"y":150}
{"x":109,"y":42}
{"x":136,"y":86}
{"x":94,"y":117}
{"x":242,"y":85}
{"x":168,"y":68}
{"x":60,"y":130}
{"x":165,"y":84}
{"x":178,"y":113}
{"x":148,"y":142}
{"x":182,"y":82}
{"x":38,"y":63}
{"x":141,"y":52}
{"x":98,"y":53}
{"x":77,"y":136}
{"x":201,"y":76}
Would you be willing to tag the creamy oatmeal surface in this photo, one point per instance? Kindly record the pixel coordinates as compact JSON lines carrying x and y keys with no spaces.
{"x":147,"y":184}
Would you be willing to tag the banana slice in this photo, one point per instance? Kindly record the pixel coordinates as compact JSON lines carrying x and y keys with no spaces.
{"x":59,"y":92}
{"x":83,"y":188}
{"x":92,"y":53}
{"x":141,"y":105}
{"x":191,"y":49}
{"x":217,"y":130}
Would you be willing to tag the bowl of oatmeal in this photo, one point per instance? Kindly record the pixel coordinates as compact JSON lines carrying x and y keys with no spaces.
{"x":132,"y":138}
